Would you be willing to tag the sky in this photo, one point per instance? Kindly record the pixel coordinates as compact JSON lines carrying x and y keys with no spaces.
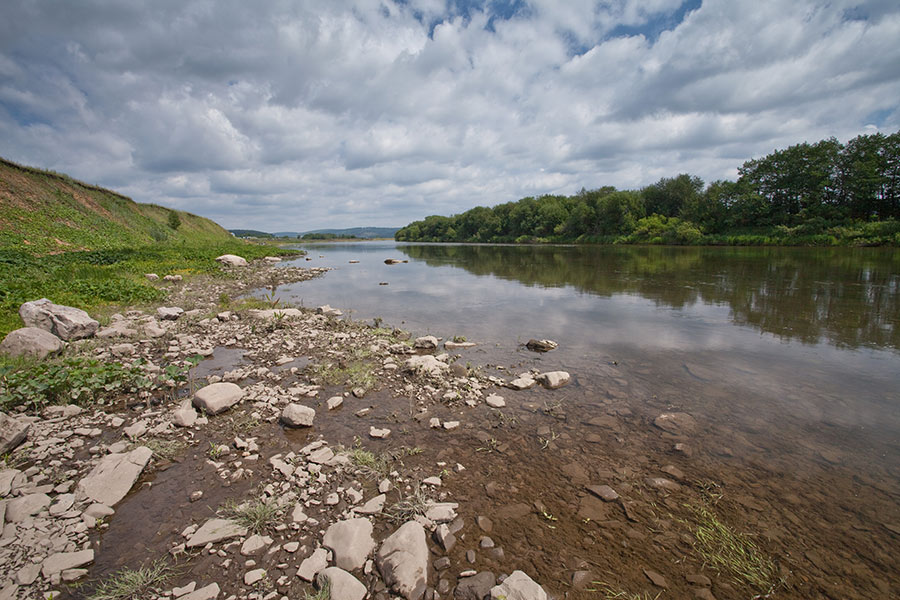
{"x":297,"y":115}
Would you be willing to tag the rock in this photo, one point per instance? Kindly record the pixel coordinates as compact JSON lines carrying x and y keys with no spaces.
{"x":312,"y":565}
{"x":379,"y":434}
{"x":433,"y":480}
{"x":341,"y":584}
{"x":326,"y":310}
{"x":373,"y":506}
{"x":403,"y":560}
{"x":173,"y":278}
{"x":581,"y":580}
{"x":676,"y":423}
{"x":114,"y":475}
{"x":451,"y":345}
{"x":27,"y":574}
{"x":541,"y":345}
{"x":334,"y":402}
{"x":518,"y":586}
{"x":662,"y":483}
{"x":65,"y":322}
{"x":61,"y":561}
{"x":657,"y":579}
{"x":553,"y":379}
{"x":698,"y":579}
{"x":351,"y":542}
{"x":604,"y":492}
{"x":217,"y":397}
{"x":673,"y":471}
{"x":215,"y":530}
{"x":184,"y":415}
{"x":254,"y":576}
{"x":152,"y":277}
{"x":426,"y":342}
{"x":485,"y":524}
{"x":169,"y":313}
{"x":20,"y":508}
{"x":475,"y":587}
{"x":31,"y":341}
{"x":136,"y":429}
{"x":231,"y":260}
{"x":210,"y":592}
{"x":321,"y":456}
{"x":444,"y":537}
{"x":392,"y":261}
{"x":297,"y":415}
{"x":441,"y":512}
{"x":12,"y":433}
{"x":254,"y":544}
{"x":426,"y":364}
{"x":272,"y":259}
{"x":450,"y":425}
{"x":495,"y":401}
{"x":523,"y":382}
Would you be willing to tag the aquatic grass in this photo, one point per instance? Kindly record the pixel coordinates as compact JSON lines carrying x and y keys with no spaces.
{"x":609,"y":592}
{"x":165,"y":449}
{"x":370,"y":464}
{"x":731,"y":553}
{"x":125,"y":584}
{"x":409,"y":506}
{"x":256,"y":515}
{"x":354,"y":370}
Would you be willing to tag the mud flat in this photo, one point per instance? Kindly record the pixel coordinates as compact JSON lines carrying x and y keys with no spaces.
{"x":308,"y":451}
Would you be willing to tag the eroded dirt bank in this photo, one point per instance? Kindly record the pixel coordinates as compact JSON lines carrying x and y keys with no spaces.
{"x":596,"y":489}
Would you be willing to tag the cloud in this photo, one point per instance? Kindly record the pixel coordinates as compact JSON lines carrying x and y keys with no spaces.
{"x":329,"y":114}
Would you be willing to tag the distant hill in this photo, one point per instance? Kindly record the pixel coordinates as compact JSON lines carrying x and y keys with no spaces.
{"x":357,"y":232}
{"x":47,"y":212}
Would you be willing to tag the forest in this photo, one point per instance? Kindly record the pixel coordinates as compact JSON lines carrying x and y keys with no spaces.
{"x":826,"y":193}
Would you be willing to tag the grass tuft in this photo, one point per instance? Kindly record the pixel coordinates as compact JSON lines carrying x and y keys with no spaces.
{"x":609,"y":592}
{"x":125,"y":584}
{"x":256,"y":515}
{"x":414,"y":503}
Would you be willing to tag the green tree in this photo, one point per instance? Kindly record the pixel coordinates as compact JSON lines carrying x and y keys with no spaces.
{"x":174,"y":220}
{"x":669,"y":194}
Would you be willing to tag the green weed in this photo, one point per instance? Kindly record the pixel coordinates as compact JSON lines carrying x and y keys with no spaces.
{"x":126,"y":584}
{"x":256,"y":515}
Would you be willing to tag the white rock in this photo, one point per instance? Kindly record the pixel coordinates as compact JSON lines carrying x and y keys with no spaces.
{"x":518,"y":586}
{"x":210,"y":592}
{"x":169,"y":313}
{"x":12,"y":432}
{"x":152,"y":277}
{"x":450,"y":425}
{"x":251,"y":577}
{"x":312,"y":565}
{"x":215,"y":530}
{"x":217,"y":397}
{"x":351,"y":542}
{"x":441,"y":512}
{"x":554,"y":379}
{"x":31,"y":341}
{"x":65,"y":322}
{"x":379,"y":434}
{"x":373,"y":506}
{"x":495,"y":401}
{"x":403,"y":560}
{"x":523,"y":382}
{"x":114,"y":475}
{"x":334,"y":402}
{"x":426,"y":364}
{"x":232,"y":260}
{"x":341,"y":584}
{"x":20,"y":508}
{"x":61,"y":561}
{"x":254,"y":544}
{"x":435,"y":481}
{"x":297,"y":415}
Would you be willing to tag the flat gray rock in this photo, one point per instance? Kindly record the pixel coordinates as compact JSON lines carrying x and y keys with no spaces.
{"x":184,"y":415}
{"x":112,"y":478}
{"x":604,"y":492}
{"x":31,"y":341}
{"x":169,"y":313}
{"x":312,"y":565}
{"x":518,"y":586}
{"x":65,"y":322}
{"x":297,"y":415}
{"x":351,"y":542}
{"x":12,"y":432}
{"x":218,"y":397}
{"x":61,"y":561}
{"x":475,"y":587}
{"x":341,"y":584}
{"x":554,"y":379}
{"x":19,"y":509}
{"x":373,"y":506}
{"x":216,"y":530}
{"x":403,"y":560}
{"x":210,"y":592}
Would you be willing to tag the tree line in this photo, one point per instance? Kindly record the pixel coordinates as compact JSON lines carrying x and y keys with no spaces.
{"x":821,"y":193}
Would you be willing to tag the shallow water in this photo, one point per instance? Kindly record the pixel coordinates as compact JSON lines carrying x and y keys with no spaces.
{"x":789,"y":359}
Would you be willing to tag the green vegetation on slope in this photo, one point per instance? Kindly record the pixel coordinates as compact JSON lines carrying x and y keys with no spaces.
{"x":45,"y":212}
{"x":87,"y":247}
{"x":825,"y":193}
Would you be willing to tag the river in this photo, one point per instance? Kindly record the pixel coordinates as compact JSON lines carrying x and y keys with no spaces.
{"x":789,"y":359}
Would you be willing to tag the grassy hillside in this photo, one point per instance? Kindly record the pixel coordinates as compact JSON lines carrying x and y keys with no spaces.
{"x":88,"y":247}
{"x":45,"y":212}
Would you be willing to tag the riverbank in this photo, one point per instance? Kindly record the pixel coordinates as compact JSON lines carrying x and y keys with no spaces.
{"x":616,"y":499}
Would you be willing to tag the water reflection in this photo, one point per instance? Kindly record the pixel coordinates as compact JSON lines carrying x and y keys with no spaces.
{"x":847,"y":297}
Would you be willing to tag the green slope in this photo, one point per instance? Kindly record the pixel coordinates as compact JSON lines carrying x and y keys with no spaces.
{"x":45,"y":212}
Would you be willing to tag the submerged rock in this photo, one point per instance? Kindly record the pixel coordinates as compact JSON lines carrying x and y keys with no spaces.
{"x":678,"y":423}
{"x":541,"y":345}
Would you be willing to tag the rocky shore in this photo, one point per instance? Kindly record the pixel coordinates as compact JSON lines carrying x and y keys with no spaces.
{"x":256,"y":502}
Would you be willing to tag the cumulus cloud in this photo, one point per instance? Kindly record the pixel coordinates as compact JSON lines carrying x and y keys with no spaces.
{"x":327,"y":113}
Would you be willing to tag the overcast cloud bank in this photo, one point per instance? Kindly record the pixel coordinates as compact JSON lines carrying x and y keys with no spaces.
{"x":301,"y":115}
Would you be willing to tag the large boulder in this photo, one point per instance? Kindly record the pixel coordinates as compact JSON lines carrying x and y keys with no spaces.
{"x":112,"y":478}
{"x":351,"y":542}
{"x":518,"y":586}
{"x":65,"y":322}
{"x":341,"y":584}
{"x":297,"y":415}
{"x":426,"y":364}
{"x":403,"y":560}
{"x":12,"y":433}
{"x":218,"y":397}
{"x":31,"y":341}
{"x":232,"y":260}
